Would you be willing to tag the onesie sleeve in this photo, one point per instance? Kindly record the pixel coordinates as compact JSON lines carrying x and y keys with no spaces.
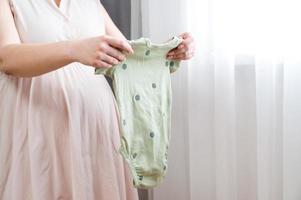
{"x":105,"y":71}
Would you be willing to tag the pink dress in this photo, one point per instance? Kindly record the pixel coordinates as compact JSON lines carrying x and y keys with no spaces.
{"x":59,"y":132}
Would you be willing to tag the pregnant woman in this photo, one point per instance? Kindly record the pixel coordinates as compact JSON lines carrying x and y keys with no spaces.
{"x":59,"y":134}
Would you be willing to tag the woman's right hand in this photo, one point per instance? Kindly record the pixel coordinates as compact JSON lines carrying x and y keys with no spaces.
{"x":102,"y":51}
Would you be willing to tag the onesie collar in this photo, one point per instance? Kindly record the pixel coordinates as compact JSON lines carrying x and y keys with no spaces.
{"x":146,"y":42}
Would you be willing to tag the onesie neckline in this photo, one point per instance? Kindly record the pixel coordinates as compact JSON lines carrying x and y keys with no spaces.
{"x":175,"y":41}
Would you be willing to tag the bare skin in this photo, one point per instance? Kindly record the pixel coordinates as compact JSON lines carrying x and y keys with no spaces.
{"x":185,"y":50}
{"x":29,"y":60}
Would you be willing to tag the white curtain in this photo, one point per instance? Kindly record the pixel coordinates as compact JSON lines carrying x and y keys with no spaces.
{"x":236,"y":124}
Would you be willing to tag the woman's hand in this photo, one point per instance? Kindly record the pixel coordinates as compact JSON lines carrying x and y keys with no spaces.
{"x":102,"y":51}
{"x":185,"y":50}
{"x":29,"y":60}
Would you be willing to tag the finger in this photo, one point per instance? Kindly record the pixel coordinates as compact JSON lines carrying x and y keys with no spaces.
{"x":184,"y":46}
{"x":183,"y":56}
{"x":181,"y":51}
{"x":98,"y":64}
{"x":177,"y":52}
{"x":109,"y":59}
{"x":179,"y":56}
{"x":184,"y":50}
{"x":186,"y":42}
{"x":120,"y":44}
{"x":115,"y":53}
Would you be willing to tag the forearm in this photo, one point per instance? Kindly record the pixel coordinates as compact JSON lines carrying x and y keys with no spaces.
{"x":34,"y":59}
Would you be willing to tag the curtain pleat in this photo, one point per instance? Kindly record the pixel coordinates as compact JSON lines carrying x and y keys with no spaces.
{"x":236,"y":105}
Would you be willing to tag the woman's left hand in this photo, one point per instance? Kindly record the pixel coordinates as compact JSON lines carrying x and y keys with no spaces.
{"x":185,"y":50}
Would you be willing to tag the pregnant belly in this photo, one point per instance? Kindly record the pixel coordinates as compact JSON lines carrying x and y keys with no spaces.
{"x":58,"y":97}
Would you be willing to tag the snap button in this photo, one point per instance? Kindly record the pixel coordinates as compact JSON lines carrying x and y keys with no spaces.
{"x":154,"y":85}
{"x":124,"y":66}
{"x":134,"y":155}
{"x":166,"y":63}
{"x":137,"y":97}
{"x":147,"y":52}
{"x":152,"y":134}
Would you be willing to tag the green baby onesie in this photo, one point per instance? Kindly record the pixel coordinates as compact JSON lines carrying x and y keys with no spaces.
{"x":142,"y":88}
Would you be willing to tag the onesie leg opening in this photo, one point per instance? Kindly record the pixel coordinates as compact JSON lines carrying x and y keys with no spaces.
{"x":142,"y":180}
{"x":132,"y":166}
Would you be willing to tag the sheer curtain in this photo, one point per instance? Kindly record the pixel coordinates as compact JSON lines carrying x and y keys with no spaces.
{"x":236,"y":131}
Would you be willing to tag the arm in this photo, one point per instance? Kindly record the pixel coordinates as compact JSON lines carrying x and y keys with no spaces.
{"x":111,"y":28}
{"x":35,"y":59}
{"x":32,"y":60}
{"x":27,"y":59}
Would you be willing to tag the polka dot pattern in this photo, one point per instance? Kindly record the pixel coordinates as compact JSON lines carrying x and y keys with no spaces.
{"x":141,"y":88}
{"x":151,"y":134}
{"x":134,"y":155}
{"x":137,"y":97}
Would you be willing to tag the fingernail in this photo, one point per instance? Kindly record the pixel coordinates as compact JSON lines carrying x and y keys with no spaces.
{"x":181,"y":46}
{"x":171,"y":53}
